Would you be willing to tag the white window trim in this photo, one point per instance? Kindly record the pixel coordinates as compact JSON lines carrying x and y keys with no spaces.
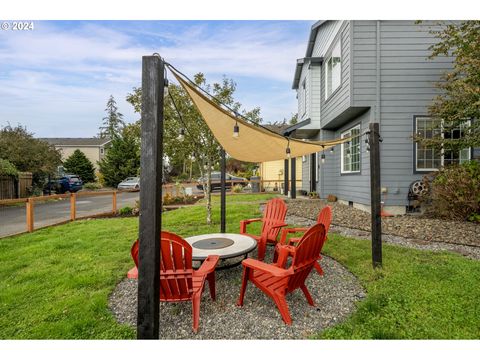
{"x":335,"y":43}
{"x":342,"y":147}
{"x":442,"y":158}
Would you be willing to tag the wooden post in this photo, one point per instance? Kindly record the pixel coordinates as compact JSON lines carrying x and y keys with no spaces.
{"x":285,"y":178}
{"x":293,"y":191}
{"x":30,"y":214}
{"x":150,"y":197}
{"x":73,"y":206}
{"x":313,"y":172}
{"x":114,"y":202}
{"x":375,"y":193}
{"x":223,"y":169}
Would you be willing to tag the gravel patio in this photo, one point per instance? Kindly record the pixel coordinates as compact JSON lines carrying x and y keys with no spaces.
{"x":335,"y":295}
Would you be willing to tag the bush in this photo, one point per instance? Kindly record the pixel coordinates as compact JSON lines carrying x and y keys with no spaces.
{"x":170,"y":199}
{"x":127,"y":210}
{"x":455,"y":192}
{"x":237,"y":188}
{"x":92,"y":186}
{"x":7,"y":168}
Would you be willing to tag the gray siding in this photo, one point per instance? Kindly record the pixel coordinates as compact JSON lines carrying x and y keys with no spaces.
{"x":306,"y":174}
{"x":339,"y":101}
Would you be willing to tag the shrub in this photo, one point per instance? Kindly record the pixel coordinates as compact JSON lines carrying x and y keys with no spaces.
{"x":455,"y":192}
{"x":92,"y":186}
{"x":126,"y":210}
{"x":237,"y":188}
{"x":331,"y":198}
{"x":7,"y":168}
{"x":313,"y":195}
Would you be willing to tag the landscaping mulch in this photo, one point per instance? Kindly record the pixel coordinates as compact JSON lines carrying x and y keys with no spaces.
{"x":417,"y":227}
{"x":335,"y":295}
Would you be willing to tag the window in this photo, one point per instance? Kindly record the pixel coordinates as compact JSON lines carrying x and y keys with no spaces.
{"x":427,"y":157}
{"x":333,"y":70}
{"x":350,"y":151}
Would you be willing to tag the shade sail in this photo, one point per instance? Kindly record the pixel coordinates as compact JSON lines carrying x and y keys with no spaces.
{"x":254,"y":143}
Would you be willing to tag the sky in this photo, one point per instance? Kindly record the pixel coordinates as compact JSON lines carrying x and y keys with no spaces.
{"x":57,"y":78}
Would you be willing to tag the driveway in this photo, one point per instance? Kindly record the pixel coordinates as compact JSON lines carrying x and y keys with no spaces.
{"x":13,"y":219}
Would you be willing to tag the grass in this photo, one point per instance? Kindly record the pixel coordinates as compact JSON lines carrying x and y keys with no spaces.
{"x":55,"y":282}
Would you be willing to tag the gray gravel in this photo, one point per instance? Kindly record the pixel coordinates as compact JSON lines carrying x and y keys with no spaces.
{"x":408,"y":230}
{"x":335,"y":295}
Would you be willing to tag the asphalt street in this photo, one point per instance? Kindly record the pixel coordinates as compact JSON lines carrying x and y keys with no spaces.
{"x":13,"y":218}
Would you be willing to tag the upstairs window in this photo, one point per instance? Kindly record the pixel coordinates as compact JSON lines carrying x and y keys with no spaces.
{"x":333,"y":71}
{"x":428,"y":158}
{"x":350,"y":151}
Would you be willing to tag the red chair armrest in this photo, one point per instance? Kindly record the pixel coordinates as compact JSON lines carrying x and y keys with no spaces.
{"x":208,"y":265}
{"x":284,"y":251}
{"x":244,"y":223}
{"x":285,"y":232}
{"x":282,"y":224}
{"x":268,"y":268}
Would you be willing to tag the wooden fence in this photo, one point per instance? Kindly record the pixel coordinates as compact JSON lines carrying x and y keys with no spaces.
{"x":12,"y":188}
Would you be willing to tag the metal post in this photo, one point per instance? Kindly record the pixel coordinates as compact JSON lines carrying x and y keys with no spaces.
{"x":73,"y":206}
{"x":114,"y":202}
{"x":375,"y":193}
{"x":285,"y":178}
{"x":223,"y":167}
{"x":153,"y":82}
{"x":293,"y":192}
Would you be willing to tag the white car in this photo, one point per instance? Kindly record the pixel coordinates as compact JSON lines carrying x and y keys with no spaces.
{"x":130,"y":183}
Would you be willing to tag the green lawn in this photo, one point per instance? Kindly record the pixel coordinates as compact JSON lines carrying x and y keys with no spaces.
{"x":55,"y":282}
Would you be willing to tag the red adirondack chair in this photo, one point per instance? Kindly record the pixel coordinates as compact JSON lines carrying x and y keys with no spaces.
{"x":178,"y":280}
{"x":276,"y":281}
{"x":273,"y":219}
{"x":324,"y":217}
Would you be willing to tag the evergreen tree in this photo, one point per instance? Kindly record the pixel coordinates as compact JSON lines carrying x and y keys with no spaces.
{"x":123,"y":157}
{"x":112,"y":123}
{"x":78,"y":164}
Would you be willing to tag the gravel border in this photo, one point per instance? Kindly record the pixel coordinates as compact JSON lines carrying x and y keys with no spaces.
{"x":335,"y":295}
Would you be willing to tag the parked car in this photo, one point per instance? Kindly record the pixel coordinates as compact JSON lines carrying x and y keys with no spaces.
{"x":216,"y":181}
{"x":130,"y":183}
{"x":66,"y":183}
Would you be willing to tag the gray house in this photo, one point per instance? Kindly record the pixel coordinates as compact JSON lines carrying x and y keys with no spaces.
{"x":356,"y":72}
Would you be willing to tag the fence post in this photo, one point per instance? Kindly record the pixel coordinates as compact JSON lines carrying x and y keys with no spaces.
{"x":30,"y":214}
{"x":114,"y":202}
{"x":73,"y":206}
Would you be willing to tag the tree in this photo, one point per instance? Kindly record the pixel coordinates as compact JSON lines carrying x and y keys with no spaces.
{"x":459,"y":99}
{"x":199,"y":142}
{"x":26,"y":153}
{"x":123,"y":157}
{"x":78,"y":164}
{"x":112,"y":123}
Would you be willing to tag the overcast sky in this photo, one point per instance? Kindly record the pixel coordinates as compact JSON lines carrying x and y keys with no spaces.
{"x":57,"y":78}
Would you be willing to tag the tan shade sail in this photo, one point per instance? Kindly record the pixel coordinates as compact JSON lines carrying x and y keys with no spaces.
{"x":254,"y":143}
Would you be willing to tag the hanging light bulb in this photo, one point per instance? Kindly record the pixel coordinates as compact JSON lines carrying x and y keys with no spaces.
{"x":236,"y":131}
{"x":288,"y":153}
{"x":332,"y":149}
{"x":322,"y":158}
{"x":181,"y":135}
{"x":348,"y":153}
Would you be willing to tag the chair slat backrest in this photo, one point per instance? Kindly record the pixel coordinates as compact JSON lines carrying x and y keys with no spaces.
{"x":325,"y":218}
{"x":275,"y":212}
{"x":306,"y":254}
{"x":175,"y":268}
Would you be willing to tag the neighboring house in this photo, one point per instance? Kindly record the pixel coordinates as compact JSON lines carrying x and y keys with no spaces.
{"x":93,"y":148}
{"x":357,"y":72}
{"x":273,"y":171}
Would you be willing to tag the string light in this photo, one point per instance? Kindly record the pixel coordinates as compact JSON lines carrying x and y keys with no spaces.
{"x":332,"y":149}
{"x":322,"y":157}
{"x":181,"y":135}
{"x":288,"y":149}
{"x":236,"y":130}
